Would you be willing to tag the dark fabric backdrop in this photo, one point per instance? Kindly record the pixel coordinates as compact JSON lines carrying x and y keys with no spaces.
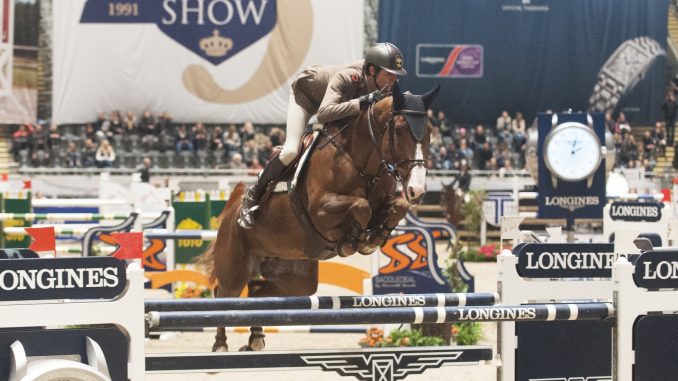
{"x":538,"y":55}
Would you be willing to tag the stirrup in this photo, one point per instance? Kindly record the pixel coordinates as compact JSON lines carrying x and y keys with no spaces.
{"x":246,"y":219}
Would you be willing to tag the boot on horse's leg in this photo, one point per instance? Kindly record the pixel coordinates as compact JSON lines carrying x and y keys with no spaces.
{"x":250,"y":204}
{"x":256,"y":341}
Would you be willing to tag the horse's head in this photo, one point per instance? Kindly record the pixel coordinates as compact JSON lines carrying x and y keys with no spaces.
{"x":409,"y":138}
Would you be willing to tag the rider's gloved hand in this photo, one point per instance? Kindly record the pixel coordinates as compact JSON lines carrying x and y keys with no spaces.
{"x":367,"y":99}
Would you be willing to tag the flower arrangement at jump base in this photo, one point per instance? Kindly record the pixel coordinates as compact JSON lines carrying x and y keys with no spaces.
{"x":485,"y":253}
{"x":186,"y":291}
{"x":462,"y":334}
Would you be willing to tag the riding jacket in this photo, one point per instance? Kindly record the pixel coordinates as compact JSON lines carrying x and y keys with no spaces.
{"x":331,"y":91}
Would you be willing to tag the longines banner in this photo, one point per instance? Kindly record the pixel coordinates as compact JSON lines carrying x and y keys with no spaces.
{"x":200,"y":60}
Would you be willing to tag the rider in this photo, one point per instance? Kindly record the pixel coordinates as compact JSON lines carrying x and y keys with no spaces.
{"x":333,"y":93}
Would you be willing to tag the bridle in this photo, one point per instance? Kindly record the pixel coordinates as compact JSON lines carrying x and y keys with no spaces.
{"x":391,"y":168}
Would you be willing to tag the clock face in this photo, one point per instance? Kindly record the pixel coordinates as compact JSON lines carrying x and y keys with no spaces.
{"x":572,"y":151}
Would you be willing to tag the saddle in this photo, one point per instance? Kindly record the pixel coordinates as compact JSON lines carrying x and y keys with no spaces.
{"x":316,"y":246}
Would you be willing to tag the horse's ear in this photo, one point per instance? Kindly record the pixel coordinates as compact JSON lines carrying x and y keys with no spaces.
{"x":430,"y":96}
{"x":398,"y":97}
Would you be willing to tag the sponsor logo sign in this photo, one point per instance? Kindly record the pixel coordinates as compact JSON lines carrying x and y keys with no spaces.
{"x":635,"y":211}
{"x":450,"y":60}
{"x":570,"y":260}
{"x":657,"y":269}
{"x":62,"y":278}
{"x":216,"y":30}
{"x":497,"y":205}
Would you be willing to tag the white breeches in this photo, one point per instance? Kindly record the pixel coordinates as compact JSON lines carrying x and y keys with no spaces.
{"x":297,"y":119}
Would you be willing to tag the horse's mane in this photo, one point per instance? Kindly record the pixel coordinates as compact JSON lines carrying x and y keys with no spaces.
{"x":206,"y":260}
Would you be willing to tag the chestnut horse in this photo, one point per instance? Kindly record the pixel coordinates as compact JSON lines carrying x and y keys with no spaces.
{"x":344,"y":201}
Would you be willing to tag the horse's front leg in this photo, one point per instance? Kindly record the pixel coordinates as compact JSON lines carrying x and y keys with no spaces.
{"x":391,"y":214}
{"x":357,"y":213}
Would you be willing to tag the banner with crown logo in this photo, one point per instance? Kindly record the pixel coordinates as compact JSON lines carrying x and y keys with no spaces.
{"x":200,"y":60}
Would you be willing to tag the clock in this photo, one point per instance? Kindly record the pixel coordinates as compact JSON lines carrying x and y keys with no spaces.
{"x":572,"y":152}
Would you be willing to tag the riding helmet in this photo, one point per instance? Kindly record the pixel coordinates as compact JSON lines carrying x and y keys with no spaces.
{"x":387,"y":56}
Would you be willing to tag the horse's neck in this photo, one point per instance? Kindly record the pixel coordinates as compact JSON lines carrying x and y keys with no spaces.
{"x":365,"y":146}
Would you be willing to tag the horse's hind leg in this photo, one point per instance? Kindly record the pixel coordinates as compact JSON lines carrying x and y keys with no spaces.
{"x":220,"y":338}
{"x":281,"y":278}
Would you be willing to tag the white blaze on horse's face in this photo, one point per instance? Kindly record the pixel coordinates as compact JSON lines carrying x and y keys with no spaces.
{"x":415,"y":188}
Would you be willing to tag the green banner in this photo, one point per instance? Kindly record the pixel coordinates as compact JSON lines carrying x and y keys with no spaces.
{"x":191,"y":214}
{"x":17,"y":204}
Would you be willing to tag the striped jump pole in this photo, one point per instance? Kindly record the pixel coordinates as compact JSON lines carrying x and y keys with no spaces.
{"x":412,"y":315}
{"x":58,"y":230}
{"x":205,"y":235}
{"x":323,"y":302}
{"x":68,"y":216}
{"x":284,"y":329}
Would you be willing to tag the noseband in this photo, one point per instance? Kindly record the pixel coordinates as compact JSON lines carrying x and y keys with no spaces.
{"x":392,"y":167}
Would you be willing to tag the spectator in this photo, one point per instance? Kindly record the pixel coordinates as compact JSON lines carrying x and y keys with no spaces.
{"x":465,"y":151}
{"x":105,"y":155}
{"x":72,"y":156}
{"x":183,"y":140}
{"x":255,"y":165}
{"x":164,"y":123}
{"x":622,"y":125}
{"x":609,"y":121}
{"x":89,"y":132}
{"x":504,"y":121}
{"x":659,"y":138}
{"x":629,"y":151}
{"x":102,"y":123}
{"x":247,"y":131}
{"x":54,"y":138}
{"x":648,"y":145}
{"x":116,"y":126}
{"x":199,"y":137}
{"x":484,"y":156}
{"x":145,"y":170}
{"x":216,"y":142}
{"x":479,"y":137}
{"x":130,"y":123}
{"x":250,"y":151}
{"x":518,"y":123}
{"x":464,"y":178}
{"x":277,"y":137}
{"x":236,"y":162}
{"x":443,"y":124}
{"x":147,"y":123}
{"x":232,"y":140}
{"x":669,"y":108}
{"x":21,"y":140}
{"x":88,"y":158}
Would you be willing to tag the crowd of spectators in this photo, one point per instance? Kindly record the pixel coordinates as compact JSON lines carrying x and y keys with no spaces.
{"x":116,"y":141}
{"x":501,"y":146}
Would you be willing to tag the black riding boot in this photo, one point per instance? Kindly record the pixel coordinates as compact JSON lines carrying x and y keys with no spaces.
{"x":250,"y":203}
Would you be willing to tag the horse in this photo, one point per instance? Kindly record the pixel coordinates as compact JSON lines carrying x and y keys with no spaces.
{"x":343,"y":202}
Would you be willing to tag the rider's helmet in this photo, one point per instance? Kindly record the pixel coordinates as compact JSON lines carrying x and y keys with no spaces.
{"x":386,"y":56}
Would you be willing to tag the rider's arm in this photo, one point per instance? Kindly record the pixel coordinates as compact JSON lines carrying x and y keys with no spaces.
{"x":337,"y":103}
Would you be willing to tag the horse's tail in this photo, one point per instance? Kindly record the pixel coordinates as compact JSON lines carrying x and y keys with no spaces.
{"x":206,"y":260}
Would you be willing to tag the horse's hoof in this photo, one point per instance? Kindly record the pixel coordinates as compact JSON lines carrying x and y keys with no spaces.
{"x":257,"y":344}
{"x":344,"y":249}
{"x":219,"y":347}
{"x":367,"y":250}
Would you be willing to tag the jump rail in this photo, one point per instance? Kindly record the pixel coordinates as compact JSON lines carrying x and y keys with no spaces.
{"x":411,"y":315}
{"x":323,"y":302}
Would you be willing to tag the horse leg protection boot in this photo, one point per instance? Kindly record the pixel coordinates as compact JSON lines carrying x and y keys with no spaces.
{"x":250,"y":203}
